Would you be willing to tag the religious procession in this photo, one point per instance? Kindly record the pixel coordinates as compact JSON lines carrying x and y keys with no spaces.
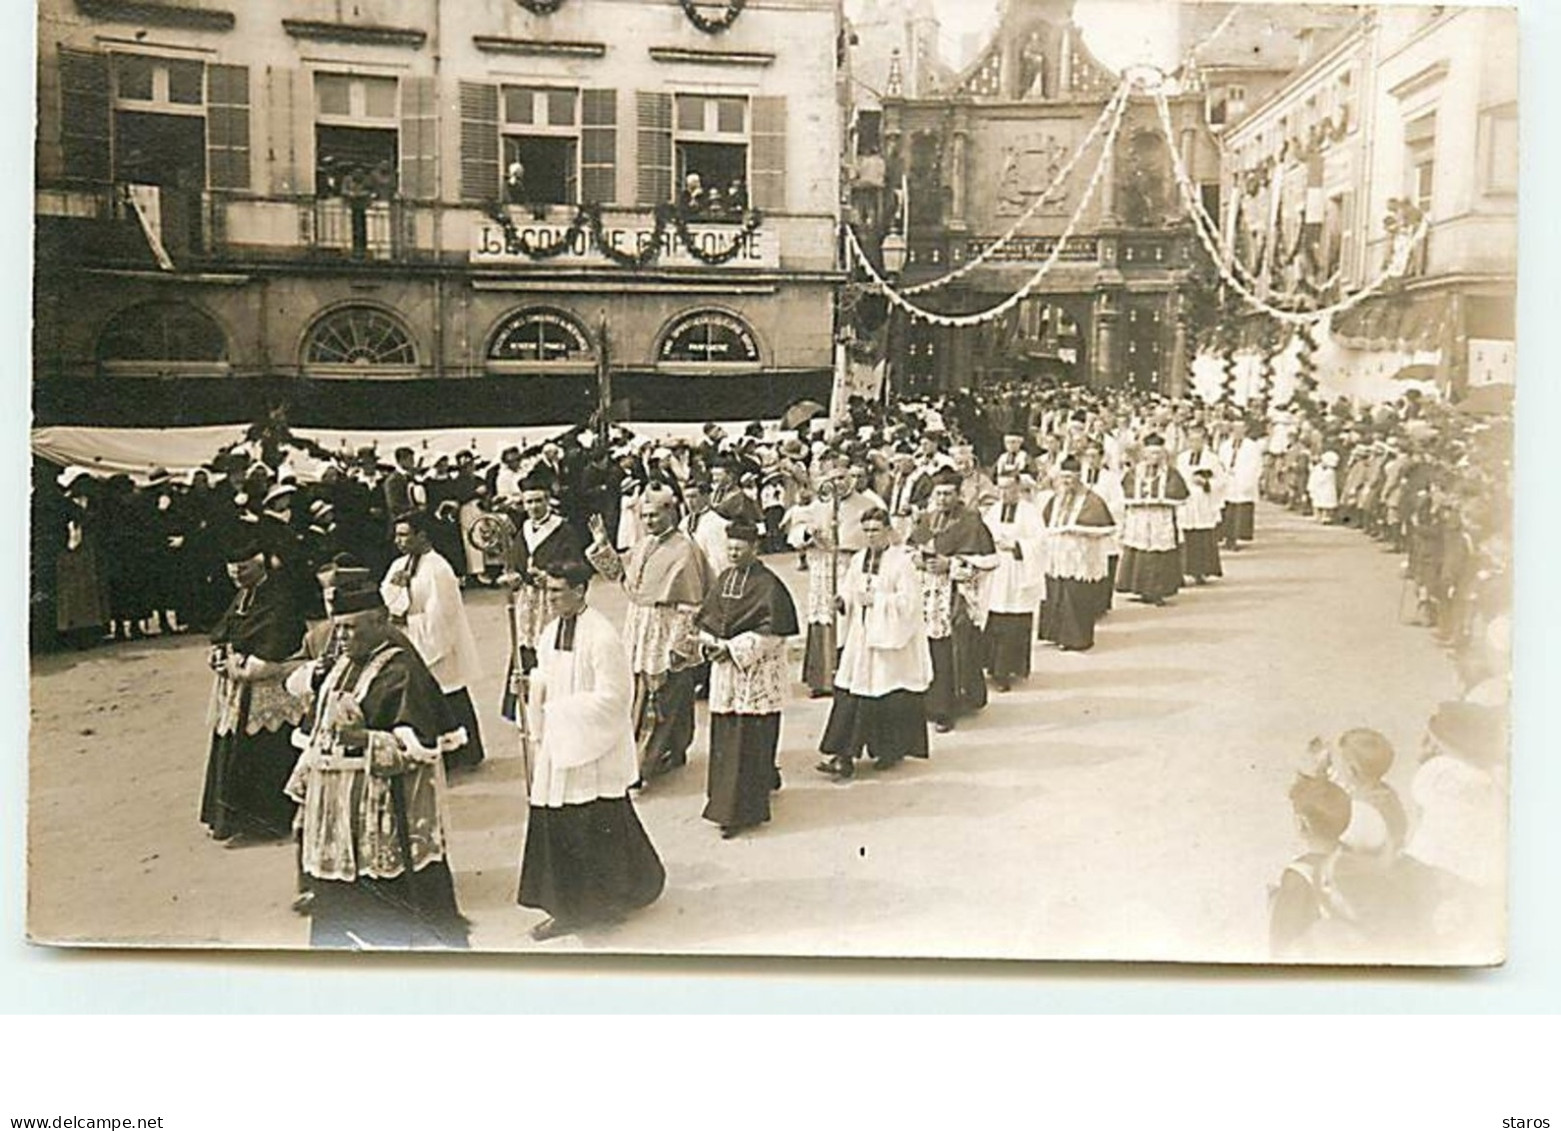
{"x":1015,"y":527}
{"x":928,"y":570}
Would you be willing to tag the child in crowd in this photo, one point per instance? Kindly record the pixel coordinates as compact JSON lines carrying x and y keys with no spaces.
{"x":1309,"y":916}
{"x":1322,"y":486}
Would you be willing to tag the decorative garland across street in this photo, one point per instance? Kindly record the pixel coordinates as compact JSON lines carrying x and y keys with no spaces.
{"x":541,"y":7}
{"x":713,"y":25}
{"x":716,"y":258}
{"x":1208,"y":233}
{"x":515,"y":240}
{"x":1113,"y":109}
{"x":588,"y":217}
{"x":857,"y":255}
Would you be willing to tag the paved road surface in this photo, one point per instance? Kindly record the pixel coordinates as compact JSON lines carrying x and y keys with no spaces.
{"x":1128,"y":803}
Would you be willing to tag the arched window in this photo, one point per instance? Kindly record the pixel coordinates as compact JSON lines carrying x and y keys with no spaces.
{"x":359,"y":340}
{"x":162,"y":337}
{"x":709,"y":338}
{"x":540,"y":338}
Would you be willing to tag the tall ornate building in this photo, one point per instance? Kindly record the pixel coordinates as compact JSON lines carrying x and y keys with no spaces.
{"x":974,"y":158}
{"x":434,"y":212}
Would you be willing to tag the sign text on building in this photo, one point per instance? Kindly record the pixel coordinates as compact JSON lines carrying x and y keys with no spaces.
{"x":709,"y":337}
{"x":759,"y":248}
{"x":1035,"y":249}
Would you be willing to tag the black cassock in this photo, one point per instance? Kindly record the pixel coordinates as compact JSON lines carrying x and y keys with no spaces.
{"x":1072,"y":607}
{"x":417,"y":908}
{"x":744,"y":599}
{"x":561,"y":547}
{"x":247,"y":773}
{"x":958,"y":660}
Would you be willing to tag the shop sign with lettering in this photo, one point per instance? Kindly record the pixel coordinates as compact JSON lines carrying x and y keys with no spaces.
{"x":1035,"y":249}
{"x":760,"y":248}
{"x":709,"y":337}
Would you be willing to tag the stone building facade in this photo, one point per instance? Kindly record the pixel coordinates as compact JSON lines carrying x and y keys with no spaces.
{"x":972,"y":160}
{"x":434,"y":212}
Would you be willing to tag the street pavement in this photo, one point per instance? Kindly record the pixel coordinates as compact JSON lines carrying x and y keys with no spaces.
{"x":1126,"y":803}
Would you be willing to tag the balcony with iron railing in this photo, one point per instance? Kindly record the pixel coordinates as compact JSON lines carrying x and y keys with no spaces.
{"x":124,"y":226}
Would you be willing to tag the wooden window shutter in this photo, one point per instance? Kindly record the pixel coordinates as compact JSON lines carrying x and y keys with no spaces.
{"x":599,"y":146}
{"x":84,"y":115}
{"x":655,"y":137}
{"x":227,"y":126}
{"x":479,"y":142}
{"x":768,"y":160}
{"x":284,"y":131}
{"x":419,"y":138}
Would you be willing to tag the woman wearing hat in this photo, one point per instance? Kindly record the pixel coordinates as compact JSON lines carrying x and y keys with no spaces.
{"x":82,"y":599}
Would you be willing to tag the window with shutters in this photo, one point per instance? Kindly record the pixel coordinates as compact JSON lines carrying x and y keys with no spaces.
{"x":711,"y":141}
{"x":541,"y":144}
{"x":480,"y":174}
{"x":356,"y":136}
{"x":538,"y":145}
{"x":654,"y":125}
{"x":86,"y":152}
{"x":159,"y":122}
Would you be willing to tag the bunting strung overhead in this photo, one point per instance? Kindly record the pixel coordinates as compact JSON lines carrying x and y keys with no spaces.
{"x":856,"y":256}
{"x":1208,"y":234}
{"x":1111,"y":112}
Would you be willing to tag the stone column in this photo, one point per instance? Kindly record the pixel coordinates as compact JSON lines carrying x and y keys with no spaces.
{"x":1104,"y":370}
{"x":1107,"y":192}
{"x":1175,"y":384}
{"x":894,"y":162}
{"x":957,"y":169}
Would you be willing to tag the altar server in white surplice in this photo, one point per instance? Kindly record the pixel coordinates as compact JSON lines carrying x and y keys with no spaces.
{"x":1018,"y":582}
{"x":424,"y":598}
{"x":886,"y":665}
{"x":587,"y":860}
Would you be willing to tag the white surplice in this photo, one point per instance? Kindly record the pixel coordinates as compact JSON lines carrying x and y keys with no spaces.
{"x":582,"y":700}
{"x":1202,"y":509}
{"x":708,"y":531}
{"x":1020,"y":579}
{"x":1243,"y":469}
{"x":435,"y":619}
{"x":1108,"y":487}
{"x":885,"y":636}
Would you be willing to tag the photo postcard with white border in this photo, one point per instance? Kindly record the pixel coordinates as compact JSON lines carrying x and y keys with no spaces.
{"x":1005,"y":479}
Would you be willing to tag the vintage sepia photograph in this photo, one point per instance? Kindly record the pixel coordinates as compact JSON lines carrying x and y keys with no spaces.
{"x":972,"y":479}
